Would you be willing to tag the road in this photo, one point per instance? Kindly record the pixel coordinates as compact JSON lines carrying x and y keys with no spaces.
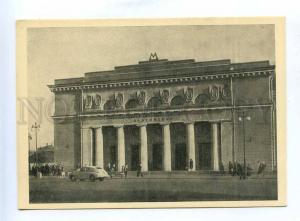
{"x":147,"y":189}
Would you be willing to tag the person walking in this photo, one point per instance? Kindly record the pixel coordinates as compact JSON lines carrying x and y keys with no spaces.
{"x":230,"y":168}
{"x":139,"y":170}
{"x":239,"y":170}
{"x":113,"y":170}
{"x":108,"y":169}
{"x":126,"y":170}
{"x":235,"y":168}
{"x":191,"y":164}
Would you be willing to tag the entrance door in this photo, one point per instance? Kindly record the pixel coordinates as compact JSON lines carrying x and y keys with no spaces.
{"x":205,"y":156}
{"x":135,"y":156}
{"x":113,"y":155}
{"x":157,"y":157}
{"x":180,"y":156}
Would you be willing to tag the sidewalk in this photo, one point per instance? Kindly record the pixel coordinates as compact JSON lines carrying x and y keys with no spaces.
{"x":189,"y":175}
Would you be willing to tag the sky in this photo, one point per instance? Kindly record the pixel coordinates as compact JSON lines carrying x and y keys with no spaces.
{"x":57,"y":53}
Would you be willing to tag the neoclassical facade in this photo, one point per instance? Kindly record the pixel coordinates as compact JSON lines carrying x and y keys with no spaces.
{"x":166,"y":114}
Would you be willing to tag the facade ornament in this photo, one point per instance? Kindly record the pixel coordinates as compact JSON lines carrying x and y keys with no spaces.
{"x":88,"y":101}
{"x":164,"y":95}
{"x":188,"y":94}
{"x":119,"y":100}
{"x":141,"y":97}
{"x":214,"y":92}
{"x":218,"y":91}
{"x":225,"y":92}
{"x":97,"y":100}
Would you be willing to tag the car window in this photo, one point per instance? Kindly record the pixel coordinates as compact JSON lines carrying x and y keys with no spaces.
{"x":82,"y":169}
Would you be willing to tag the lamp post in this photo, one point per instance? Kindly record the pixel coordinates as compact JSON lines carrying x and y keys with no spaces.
{"x":242,"y":119}
{"x":36,"y":127}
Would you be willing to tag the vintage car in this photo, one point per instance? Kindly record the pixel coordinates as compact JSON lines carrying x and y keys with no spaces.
{"x":88,"y":172}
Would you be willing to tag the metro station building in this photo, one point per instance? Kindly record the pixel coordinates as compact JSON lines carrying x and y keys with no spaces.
{"x":164,"y":114}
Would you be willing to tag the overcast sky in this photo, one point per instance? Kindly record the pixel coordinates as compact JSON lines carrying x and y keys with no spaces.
{"x":55,"y":53}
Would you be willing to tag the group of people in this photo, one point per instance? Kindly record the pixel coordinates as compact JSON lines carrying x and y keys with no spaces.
{"x":112,"y":170}
{"x":238,"y":169}
{"x":46,"y":169}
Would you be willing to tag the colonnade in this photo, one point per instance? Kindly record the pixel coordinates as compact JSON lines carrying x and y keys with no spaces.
{"x":87,"y":136}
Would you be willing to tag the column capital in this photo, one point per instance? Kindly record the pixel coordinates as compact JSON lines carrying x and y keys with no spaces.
{"x":98,"y":127}
{"x":165,"y":123}
{"x":141,"y":125}
{"x":189,"y":122}
{"x":118,"y":125}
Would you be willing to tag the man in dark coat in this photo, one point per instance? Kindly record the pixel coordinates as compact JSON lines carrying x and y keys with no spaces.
{"x":139,"y":170}
{"x":191,"y":164}
{"x":240,"y":171}
{"x":126,"y":170}
{"x":235,"y":168}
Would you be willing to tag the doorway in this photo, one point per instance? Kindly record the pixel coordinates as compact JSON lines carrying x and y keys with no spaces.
{"x":157,"y":157}
{"x":180,"y":156}
{"x":113,"y":154}
{"x":204,"y":156}
{"x":135,"y":156}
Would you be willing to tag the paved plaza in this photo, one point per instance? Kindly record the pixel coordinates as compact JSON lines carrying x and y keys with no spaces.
{"x":153,"y":188}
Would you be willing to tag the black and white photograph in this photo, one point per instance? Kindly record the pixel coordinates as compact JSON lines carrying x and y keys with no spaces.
{"x":149,"y":114}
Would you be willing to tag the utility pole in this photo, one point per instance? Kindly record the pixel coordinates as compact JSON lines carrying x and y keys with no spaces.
{"x":36,"y":127}
{"x":242,"y":118}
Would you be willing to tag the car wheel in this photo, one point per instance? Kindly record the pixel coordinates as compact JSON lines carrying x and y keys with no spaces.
{"x":92,"y":178}
{"x":73,"y":178}
{"x":101,"y":179}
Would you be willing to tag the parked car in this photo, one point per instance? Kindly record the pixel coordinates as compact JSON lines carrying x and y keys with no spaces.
{"x":88,"y":172}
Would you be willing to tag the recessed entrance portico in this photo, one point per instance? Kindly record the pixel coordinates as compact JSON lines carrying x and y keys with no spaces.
{"x":166,"y":147}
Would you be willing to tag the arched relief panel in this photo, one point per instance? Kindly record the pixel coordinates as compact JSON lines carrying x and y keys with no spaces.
{"x":202,"y":100}
{"x":109,"y":105}
{"x":178,"y":101}
{"x":154,"y":102}
{"x":214,"y":89}
{"x":132,"y":104}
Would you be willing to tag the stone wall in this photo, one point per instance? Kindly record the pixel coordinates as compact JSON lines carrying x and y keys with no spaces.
{"x":67,"y":143}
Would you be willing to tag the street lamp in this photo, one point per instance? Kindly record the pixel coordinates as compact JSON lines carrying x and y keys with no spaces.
{"x":36,"y":127}
{"x":242,"y":119}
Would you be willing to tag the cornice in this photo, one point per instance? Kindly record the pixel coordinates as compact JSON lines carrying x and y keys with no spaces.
{"x":184,"y":79}
{"x":162,"y":111}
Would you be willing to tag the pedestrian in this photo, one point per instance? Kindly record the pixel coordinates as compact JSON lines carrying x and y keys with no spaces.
{"x":239,"y":170}
{"x":191,"y":164}
{"x":230,"y":168}
{"x":235,"y":168}
{"x":113,"y":170}
{"x":108,"y":169}
{"x":122,"y":171}
{"x":139,"y":170}
{"x":261,"y":168}
{"x":126,"y":170}
{"x":249,"y":170}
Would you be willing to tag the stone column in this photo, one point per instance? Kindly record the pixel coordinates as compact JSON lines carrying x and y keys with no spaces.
{"x":121,"y":147}
{"x":86,"y":146}
{"x":191,"y":145}
{"x":167,"y":147}
{"x":144,"y":147}
{"x":99,"y":147}
{"x":215,"y":146}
